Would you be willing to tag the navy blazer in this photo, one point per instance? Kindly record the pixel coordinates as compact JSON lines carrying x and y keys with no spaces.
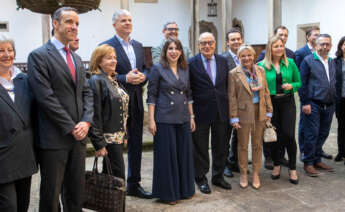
{"x":315,"y":84}
{"x":231,"y":62}
{"x":170,"y":95}
{"x":124,"y":66}
{"x":289,"y":54}
{"x":210,"y":100}
{"x":62,"y":103}
{"x":339,"y":82}
{"x":301,"y":54}
{"x":17,"y":158}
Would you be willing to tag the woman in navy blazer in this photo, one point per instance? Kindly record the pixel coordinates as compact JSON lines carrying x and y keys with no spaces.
{"x":171,"y":122}
{"x":17,"y":157}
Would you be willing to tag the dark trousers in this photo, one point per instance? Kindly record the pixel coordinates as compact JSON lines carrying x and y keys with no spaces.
{"x":62,"y":170}
{"x":15,"y":196}
{"x":135,"y":141}
{"x":300,"y":133}
{"x":316,"y":128}
{"x":219,"y":147}
{"x":284,"y":119}
{"x":341,"y":127}
{"x":173,"y":167}
{"x":232,"y":159}
{"x":115,"y":155}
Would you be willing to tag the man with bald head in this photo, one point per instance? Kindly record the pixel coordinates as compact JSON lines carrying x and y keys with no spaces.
{"x":208,"y":79}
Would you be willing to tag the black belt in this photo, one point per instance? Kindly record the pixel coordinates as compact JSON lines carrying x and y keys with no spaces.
{"x":281,"y":95}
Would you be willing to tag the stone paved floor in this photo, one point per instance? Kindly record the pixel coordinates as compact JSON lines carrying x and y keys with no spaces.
{"x":325,"y":193}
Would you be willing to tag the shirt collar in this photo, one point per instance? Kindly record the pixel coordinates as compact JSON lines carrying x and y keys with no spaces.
{"x":14,"y":72}
{"x":310,"y":47}
{"x":205,"y":60}
{"x":58,"y":45}
{"x":318,"y":57}
{"x":232,"y":54}
{"x":122,"y":41}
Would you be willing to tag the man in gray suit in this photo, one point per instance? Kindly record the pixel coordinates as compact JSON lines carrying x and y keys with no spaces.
{"x":65,"y":111}
{"x":170,"y":30}
{"x":233,"y":41}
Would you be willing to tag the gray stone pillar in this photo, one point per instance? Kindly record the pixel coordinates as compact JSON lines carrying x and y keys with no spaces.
{"x":274,"y":15}
{"x":195,"y":4}
{"x":125,"y":4}
{"x":46,"y":31}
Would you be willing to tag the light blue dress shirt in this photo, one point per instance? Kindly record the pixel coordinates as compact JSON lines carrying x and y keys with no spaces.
{"x":235,"y":58}
{"x":60,"y":47}
{"x":213,"y":67}
{"x":128,"y":47}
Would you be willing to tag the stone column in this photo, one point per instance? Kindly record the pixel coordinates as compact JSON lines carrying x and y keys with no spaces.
{"x":195,"y":4}
{"x":274,"y":15}
{"x":226,"y":21}
{"x":46,"y":31}
{"x":125,"y":4}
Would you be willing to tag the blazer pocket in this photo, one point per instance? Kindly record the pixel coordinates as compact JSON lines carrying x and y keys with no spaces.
{"x":242,"y":106}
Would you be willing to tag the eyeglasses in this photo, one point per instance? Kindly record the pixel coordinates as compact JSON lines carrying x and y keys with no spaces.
{"x":325,"y":44}
{"x":204,"y":43}
{"x":172,"y":29}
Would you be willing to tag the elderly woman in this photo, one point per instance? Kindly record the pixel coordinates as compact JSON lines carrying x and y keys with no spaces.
{"x":17,"y":158}
{"x":108,"y":130}
{"x":283,"y":81}
{"x":250,"y":107}
{"x":171,"y":123}
{"x":339,"y":62}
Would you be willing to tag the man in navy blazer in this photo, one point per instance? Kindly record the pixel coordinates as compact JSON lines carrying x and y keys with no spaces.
{"x":317,"y":95}
{"x":283,"y":33}
{"x":208,"y":78}
{"x":131,"y":74}
{"x":65,"y":111}
{"x":306,"y":50}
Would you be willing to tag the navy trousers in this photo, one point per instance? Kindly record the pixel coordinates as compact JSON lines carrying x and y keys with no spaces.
{"x":316,"y":127}
{"x":173,"y":166}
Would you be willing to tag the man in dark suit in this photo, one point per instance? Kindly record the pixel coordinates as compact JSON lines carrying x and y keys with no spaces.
{"x":131,"y":74}
{"x":65,"y":111}
{"x":301,"y":53}
{"x":283,"y":33}
{"x":208,"y":78}
{"x":233,"y":41}
{"x":318,"y":96}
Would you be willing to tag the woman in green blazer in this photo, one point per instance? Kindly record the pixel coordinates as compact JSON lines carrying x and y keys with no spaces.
{"x":283,"y":80}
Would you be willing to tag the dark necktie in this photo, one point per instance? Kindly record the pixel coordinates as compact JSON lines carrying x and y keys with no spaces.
{"x":70,"y":63}
{"x":208,"y":69}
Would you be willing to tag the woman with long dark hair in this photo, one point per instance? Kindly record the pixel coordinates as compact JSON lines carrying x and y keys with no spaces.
{"x":171,"y":123}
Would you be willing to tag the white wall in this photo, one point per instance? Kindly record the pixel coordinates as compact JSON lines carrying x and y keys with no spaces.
{"x":330,"y":14}
{"x":149,"y":18}
{"x":25,"y":28}
{"x":253,"y":14}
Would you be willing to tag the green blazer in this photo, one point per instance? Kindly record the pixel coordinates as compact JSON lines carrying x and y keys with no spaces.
{"x":289,"y":74}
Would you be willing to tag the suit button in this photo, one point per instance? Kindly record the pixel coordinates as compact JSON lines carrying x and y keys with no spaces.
{"x":172,"y":92}
{"x":184,"y":102}
{"x":181,"y":92}
{"x":120,"y":107}
{"x":171,"y":103}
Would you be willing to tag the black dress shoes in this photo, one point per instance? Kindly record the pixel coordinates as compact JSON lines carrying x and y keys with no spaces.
{"x":138,"y":191}
{"x":228,"y":172}
{"x":326,"y":156}
{"x":338,"y":158}
{"x":204,"y":188}
{"x":222,"y":183}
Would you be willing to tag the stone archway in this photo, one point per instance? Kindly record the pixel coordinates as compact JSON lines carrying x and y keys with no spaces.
{"x":205,"y":26}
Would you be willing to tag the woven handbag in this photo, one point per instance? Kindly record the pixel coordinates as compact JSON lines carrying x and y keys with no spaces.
{"x":270,"y":134}
{"x":103,"y":191}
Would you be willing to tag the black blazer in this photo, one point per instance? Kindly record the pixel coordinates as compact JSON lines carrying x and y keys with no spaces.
{"x":231,"y":62}
{"x":339,"y":83}
{"x":301,"y":54}
{"x":17,"y":158}
{"x":209,"y":100}
{"x":108,"y":110}
{"x":61,"y":102}
{"x":124,"y":66}
{"x":169,"y":95}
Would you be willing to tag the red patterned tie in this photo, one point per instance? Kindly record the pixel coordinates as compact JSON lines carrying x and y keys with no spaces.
{"x":70,"y":63}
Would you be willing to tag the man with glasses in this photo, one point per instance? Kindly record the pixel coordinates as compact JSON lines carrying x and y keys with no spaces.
{"x":317,"y":96}
{"x":170,"y":30}
{"x":208,"y":80}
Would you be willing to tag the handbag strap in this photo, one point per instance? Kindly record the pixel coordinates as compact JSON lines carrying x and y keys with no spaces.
{"x":95,"y":165}
{"x":107,"y":165}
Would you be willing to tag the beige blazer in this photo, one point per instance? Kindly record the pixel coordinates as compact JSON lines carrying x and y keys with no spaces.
{"x":241,"y":97}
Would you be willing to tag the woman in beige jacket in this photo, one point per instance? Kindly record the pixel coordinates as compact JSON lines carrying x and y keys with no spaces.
{"x":250,"y":107}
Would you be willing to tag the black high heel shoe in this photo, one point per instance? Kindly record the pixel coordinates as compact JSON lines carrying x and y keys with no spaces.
{"x":276,"y":177}
{"x":295,"y":182}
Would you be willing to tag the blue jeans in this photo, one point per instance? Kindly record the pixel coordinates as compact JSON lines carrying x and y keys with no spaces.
{"x":315,"y":128}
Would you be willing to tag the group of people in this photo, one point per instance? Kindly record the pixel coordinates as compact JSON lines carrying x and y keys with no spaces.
{"x":48,"y":115}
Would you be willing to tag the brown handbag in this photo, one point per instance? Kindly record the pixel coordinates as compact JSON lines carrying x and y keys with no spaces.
{"x":103,"y":191}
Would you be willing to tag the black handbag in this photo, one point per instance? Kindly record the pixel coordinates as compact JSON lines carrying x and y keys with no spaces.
{"x":103,"y":191}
